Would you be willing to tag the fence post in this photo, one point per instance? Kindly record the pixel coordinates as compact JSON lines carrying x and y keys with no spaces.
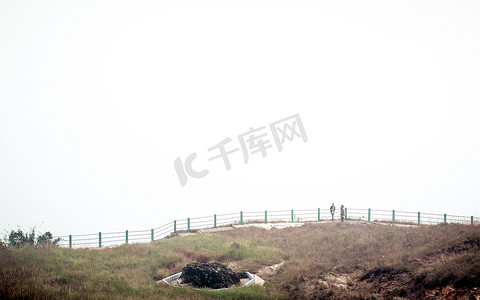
{"x":444,"y":218}
{"x":188,"y":227}
{"x":241,"y":217}
{"x":471,"y":220}
{"x":99,"y":239}
{"x":393,"y":216}
{"x":266,"y":217}
{"x":126,"y":236}
{"x":11,"y":241}
{"x":292,"y":215}
{"x":40,"y":240}
{"x":418,"y":218}
{"x":70,"y":241}
{"x":152,"y":235}
{"x":174,"y":226}
{"x":345,"y":213}
{"x":318,"y":218}
{"x":369,"y":214}
{"x":214,"y":221}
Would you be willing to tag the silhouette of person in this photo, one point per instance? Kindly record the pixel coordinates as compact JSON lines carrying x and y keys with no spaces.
{"x":332,"y":210}
{"x":342,"y":212}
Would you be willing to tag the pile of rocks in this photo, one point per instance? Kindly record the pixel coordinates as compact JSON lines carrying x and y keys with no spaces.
{"x":210,"y":275}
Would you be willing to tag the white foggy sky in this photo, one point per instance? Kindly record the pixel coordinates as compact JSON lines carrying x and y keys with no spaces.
{"x":98,"y":98}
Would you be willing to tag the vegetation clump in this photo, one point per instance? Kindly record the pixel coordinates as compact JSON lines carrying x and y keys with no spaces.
{"x":20,"y":238}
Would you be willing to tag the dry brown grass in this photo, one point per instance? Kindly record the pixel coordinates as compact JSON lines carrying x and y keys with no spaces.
{"x":316,"y":251}
{"x":321,"y":260}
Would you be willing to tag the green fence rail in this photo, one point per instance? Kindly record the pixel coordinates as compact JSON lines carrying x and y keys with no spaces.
{"x":102,"y":239}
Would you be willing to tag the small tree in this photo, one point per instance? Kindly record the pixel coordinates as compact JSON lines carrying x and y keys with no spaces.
{"x":47,"y":238}
{"x":19,"y":238}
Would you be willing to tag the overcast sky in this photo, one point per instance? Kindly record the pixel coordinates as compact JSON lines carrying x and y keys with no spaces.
{"x":99,"y":98}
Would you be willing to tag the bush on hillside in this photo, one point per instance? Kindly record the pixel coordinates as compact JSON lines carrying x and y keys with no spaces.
{"x":19,"y":238}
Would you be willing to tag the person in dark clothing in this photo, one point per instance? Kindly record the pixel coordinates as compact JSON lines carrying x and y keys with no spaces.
{"x":342,"y":212}
{"x":332,"y":210}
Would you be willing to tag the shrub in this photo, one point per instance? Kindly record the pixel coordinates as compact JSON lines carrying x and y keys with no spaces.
{"x":19,"y":238}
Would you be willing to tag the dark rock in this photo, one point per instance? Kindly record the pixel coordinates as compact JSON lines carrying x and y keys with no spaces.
{"x":210,"y":275}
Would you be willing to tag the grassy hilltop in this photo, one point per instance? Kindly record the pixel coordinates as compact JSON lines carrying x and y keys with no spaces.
{"x":317,"y":260}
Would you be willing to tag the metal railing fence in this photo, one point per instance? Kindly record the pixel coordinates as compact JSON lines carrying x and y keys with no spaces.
{"x":101,"y":239}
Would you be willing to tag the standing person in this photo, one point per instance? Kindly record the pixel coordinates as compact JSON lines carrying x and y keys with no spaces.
{"x":342,"y":212}
{"x":332,"y":210}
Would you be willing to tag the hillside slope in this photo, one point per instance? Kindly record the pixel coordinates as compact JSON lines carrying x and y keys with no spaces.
{"x":317,"y":260}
